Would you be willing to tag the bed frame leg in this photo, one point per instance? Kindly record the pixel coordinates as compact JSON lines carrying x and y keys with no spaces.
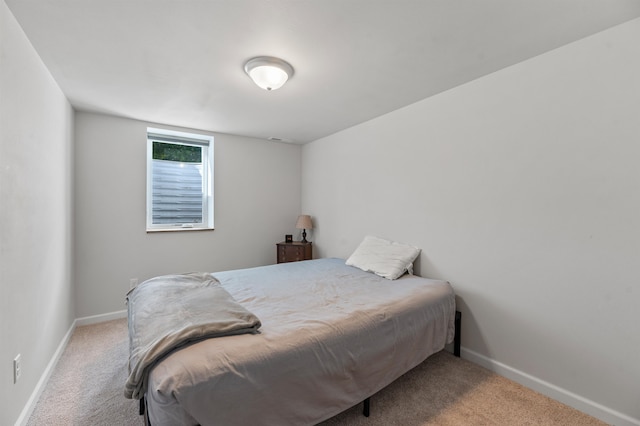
{"x":458,"y":338}
{"x":367,"y":407}
{"x":144,"y":412}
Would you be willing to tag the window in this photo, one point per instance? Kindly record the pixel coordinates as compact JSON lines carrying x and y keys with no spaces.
{"x":179,"y":181}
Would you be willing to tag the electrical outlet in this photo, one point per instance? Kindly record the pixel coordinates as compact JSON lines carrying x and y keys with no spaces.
{"x":133,"y":282}
{"x":17,"y":368}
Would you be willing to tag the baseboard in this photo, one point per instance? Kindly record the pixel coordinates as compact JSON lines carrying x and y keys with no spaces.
{"x":42,"y":383}
{"x":94,"y":319}
{"x":571,"y":399}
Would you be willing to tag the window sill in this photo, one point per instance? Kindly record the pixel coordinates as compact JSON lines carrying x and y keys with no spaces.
{"x":154,"y":230}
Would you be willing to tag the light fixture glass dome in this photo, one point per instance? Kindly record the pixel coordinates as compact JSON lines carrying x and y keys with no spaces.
{"x":267,"y":72}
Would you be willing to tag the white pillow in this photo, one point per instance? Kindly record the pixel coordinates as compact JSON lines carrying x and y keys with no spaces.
{"x":386,"y":258}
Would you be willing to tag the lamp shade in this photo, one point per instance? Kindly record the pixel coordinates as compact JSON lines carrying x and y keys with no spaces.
{"x":304,"y":222}
{"x":268,"y":72}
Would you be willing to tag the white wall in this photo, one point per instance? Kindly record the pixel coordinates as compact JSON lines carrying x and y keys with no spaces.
{"x":523,"y":189}
{"x":36,"y":305}
{"x":257,"y":200}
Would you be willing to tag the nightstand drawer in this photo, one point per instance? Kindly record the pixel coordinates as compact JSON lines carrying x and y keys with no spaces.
{"x":294,"y":252}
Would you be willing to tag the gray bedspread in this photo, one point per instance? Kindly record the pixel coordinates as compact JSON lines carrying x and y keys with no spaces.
{"x":331,"y":336}
{"x":167,"y":313}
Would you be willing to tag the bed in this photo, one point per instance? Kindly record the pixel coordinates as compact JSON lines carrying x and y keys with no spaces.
{"x":330,"y":336}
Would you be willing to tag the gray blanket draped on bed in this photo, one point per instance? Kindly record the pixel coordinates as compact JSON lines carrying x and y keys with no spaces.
{"x":170,"y":312}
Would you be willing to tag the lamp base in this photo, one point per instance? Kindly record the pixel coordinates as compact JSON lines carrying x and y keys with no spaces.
{"x":304,"y":236}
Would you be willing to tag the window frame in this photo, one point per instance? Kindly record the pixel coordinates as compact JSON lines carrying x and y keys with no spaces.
{"x":206,"y":142}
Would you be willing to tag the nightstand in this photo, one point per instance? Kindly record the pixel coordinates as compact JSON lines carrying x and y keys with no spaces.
{"x":293,"y":252}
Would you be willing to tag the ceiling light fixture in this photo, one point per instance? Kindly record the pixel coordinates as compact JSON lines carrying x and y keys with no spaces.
{"x":268,"y":72}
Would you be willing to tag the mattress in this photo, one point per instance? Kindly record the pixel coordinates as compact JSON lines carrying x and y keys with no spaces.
{"x":331,"y":336}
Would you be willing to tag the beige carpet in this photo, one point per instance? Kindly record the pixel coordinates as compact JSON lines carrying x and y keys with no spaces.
{"x":86,"y":388}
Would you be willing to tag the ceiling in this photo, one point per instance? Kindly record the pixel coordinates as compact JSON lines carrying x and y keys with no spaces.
{"x":180,"y":62}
